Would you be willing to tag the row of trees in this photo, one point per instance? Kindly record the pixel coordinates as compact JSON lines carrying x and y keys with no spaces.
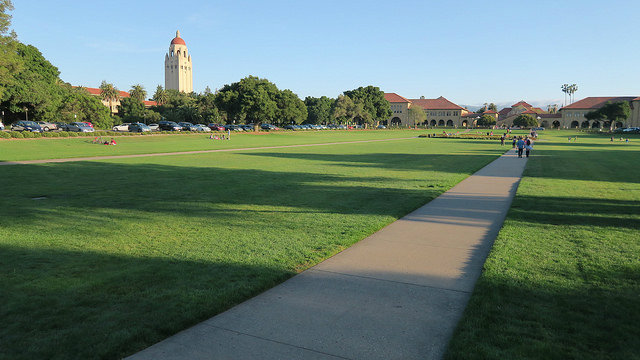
{"x":611,"y":111}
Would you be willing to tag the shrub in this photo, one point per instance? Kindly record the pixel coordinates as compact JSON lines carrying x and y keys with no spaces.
{"x":16,"y":135}
{"x":36,"y":135}
{"x":63,"y":134}
{"x":72,"y":134}
{"x":27,"y":134}
{"x":525,"y":121}
{"x":5,"y":135}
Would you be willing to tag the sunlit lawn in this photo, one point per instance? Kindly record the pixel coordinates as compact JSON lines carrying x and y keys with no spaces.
{"x":117,"y":255}
{"x":563,"y":278}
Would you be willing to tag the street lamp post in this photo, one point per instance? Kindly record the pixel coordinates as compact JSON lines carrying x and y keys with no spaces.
{"x":26,"y":111}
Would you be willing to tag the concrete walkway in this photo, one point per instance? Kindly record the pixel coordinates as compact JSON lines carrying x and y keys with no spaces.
{"x":397,"y":294}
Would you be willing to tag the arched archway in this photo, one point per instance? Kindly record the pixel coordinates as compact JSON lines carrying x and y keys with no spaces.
{"x":433,"y":123}
{"x":574,"y":124}
{"x":544,"y":124}
{"x":396,"y":121}
{"x":607,"y":124}
{"x":464,"y":123}
{"x":556,"y":124}
{"x":618,"y":124}
{"x":585,"y":125}
{"x":441,"y":123}
{"x":450,"y":123}
{"x":383,"y":122}
{"x":595,"y":125}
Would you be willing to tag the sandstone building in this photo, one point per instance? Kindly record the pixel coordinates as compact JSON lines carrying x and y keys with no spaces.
{"x":178,"y":69}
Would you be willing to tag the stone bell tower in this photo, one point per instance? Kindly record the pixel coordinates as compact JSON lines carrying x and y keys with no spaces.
{"x":177,"y":66}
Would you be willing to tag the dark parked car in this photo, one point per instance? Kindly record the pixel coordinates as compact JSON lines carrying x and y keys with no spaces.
{"x":24,"y":125}
{"x":247,"y":127}
{"x":233,"y":127}
{"x":187,"y":126}
{"x":268,"y":127}
{"x":139,"y":127}
{"x":169,"y":126}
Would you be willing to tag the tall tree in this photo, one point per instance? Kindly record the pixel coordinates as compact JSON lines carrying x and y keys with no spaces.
{"x":615,"y":112}
{"x":417,"y":115}
{"x":487,"y":120}
{"x":318,"y":109}
{"x":493,"y":107}
{"x":372,"y":100}
{"x":290,"y":108}
{"x":109,"y":93}
{"x":138,"y":92}
{"x":160,"y":96}
{"x":252,"y":99}
{"x":9,"y":61}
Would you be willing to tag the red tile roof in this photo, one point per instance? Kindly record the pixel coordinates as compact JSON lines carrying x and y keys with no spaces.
{"x":597,"y":102}
{"x":436,"y":104}
{"x":395,"y":98}
{"x":471,"y":115}
{"x":150,"y":103}
{"x":529,"y":112}
{"x":123,"y":94}
{"x":490,"y":112}
{"x":523,"y":104}
{"x":504,"y":112}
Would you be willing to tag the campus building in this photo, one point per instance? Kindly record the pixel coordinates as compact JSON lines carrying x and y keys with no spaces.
{"x":440,"y":111}
{"x":545,"y":119}
{"x":573,"y":116}
{"x":114,"y":104}
{"x":178,"y":69}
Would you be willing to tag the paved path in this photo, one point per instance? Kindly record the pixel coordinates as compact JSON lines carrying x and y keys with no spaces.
{"x":397,"y":294}
{"x":43,"y":161}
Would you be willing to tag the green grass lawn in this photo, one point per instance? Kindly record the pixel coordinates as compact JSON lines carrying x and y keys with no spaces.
{"x":54,"y":148}
{"x":123,"y":253}
{"x":563,"y":278}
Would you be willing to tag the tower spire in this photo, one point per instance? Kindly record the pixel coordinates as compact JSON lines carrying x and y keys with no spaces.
{"x":177,"y":33}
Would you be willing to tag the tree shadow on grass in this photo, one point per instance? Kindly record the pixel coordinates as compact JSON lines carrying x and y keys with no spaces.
{"x":81,"y":304}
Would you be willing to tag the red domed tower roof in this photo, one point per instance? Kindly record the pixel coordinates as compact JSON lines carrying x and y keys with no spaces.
{"x":178,"y":40}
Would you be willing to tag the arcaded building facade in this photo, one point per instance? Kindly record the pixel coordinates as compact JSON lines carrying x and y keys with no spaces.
{"x":178,"y":69}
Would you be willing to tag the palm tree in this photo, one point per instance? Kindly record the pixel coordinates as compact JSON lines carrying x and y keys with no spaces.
{"x":138,"y":92}
{"x":160,"y":96}
{"x":565,"y":90}
{"x":109,"y":93}
{"x":572,"y":90}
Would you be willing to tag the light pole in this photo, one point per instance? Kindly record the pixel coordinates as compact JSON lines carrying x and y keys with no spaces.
{"x":26,"y":111}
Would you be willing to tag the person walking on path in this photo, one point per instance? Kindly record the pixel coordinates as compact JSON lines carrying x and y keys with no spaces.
{"x":528,"y":146}
{"x":502,"y":140}
{"x":520,"y":145}
{"x":513,"y":144}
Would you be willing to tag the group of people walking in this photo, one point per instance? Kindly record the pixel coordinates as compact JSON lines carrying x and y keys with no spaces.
{"x":523,"y":144}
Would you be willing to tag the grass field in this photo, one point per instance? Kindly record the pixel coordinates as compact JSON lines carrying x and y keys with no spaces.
{"x":100,"y":259}
{"x":563,"y":278}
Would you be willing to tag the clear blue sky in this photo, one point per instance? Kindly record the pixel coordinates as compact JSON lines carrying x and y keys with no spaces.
{"x":468,"y":51}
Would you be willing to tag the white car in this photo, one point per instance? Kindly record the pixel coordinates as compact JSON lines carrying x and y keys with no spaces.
{"x":121,"y":127}
{"x":631,"y":129}
{"x":154,"y":127}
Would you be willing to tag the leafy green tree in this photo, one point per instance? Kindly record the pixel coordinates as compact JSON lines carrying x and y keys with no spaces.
{"x":138,"y":92}
{"x":252,"y":99}
{"x":290,"y":108}
{"x":615,"y":112}
{"x":417,"y":115}
{"x":109,"y":93}
{"x":79,"y":105}
{"x":160,"y":96}
{"x":131,"y":110}
{"x":318,"y":109}
{"x":525,"y":121}
{"x":343,"y":111}
{"x":493,"y":107}
{"x":206,"y":104}
{"x":487,"y":121}
{"x":10,"y":64}
{"x":36,"y":87}
{"x":373,"y":102}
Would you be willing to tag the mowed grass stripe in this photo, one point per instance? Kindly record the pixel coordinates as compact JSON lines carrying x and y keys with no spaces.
{"x":123,"y":253}
{"x":563,"y":278}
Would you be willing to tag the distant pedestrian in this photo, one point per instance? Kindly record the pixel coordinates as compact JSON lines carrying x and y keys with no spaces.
{"x":520,"y":145}
{"x":528,"y":146}
{"x":502,"y":140}
{"x":612,"y":139}
{"x":513,"y":144}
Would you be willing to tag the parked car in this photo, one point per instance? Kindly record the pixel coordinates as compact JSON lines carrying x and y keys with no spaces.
{"x":139,"y":127}
{"x":77,"y":127}
{"x":268,"y":127}
{"x":169,"y":126}
{"x":1,"y":126}
{"x":121,"y":127}
{"x":381,"y":126}
{"x":631,"y":129}
{"x":24,"y":125}
{"x":47,"y":126}
{"x":290,"y":127}
{"x":538,"y":129}
{"x":200,"y":127}
{"x":88,"y":124}
{"x":216,"y":127}
{"x":154,"y":127}
{"x":247,"y":127}
{"x":233,"y":127}
{"x":186,"y":126}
